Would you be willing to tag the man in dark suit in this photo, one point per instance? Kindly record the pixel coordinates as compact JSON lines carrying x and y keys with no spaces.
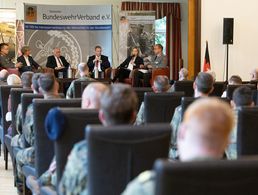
{"x":99,"y":61}
{"x":58,"y":62}
{"x":28,"y":63}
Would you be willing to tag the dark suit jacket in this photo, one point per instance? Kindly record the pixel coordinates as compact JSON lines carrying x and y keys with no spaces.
{"x":51,"y":62}
{"x":138,"y":61}
{"x":33,"y":65}
{"x":104,"y":65}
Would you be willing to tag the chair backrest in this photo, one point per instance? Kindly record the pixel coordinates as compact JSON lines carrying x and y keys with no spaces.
{"x":118,"y":154}
{"x":207,"y":177}
{"x":185,"y":86}
{"x":219,"y":88}
{"x":44,"y":148}
{"x":15,"y":101}
{"x":4,"y":96}
{"x":160,"y":107}
{"x":26,"y":100}
{"x":231,"y":89}
{"x":76,"y":119}
{"x":140,"y":91}
{"x":77,"y":89}
{"x":247,"y":134}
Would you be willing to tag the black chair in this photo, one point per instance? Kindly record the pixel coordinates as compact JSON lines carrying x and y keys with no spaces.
{"x":140,"y":91}
{"x":76,"y":119}
{"x":231,"y":89}
{"x":77,"y":89}
{"x":185,"y":86}
{"x":4,"y":96}
{"x":219,"y":88}
{"x":44,"y":148}
{"x":118,"y":154}
{"x":247,"y":131}
{"x":26,"y":100}
{"x":160,"y":107}
{"x":209,"y":177}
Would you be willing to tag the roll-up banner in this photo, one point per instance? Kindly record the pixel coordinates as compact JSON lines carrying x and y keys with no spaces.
{"x":76,"y":29}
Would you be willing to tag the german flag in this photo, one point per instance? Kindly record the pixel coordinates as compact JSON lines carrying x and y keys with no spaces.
{"x":207,"y":64}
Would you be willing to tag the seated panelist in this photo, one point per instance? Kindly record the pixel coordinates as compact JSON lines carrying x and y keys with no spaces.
{"x":134,"y":61}
{"x":98,"y":61}
{"x":27,"y":62}
{"x":158,"y":60}
{"x":58,"y":63}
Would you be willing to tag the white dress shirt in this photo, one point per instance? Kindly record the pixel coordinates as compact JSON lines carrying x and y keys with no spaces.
{"x":27,"y":60}
{"x":59,"y":62}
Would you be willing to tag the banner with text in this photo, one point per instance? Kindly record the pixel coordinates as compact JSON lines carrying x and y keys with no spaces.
{"x":76,"y":29}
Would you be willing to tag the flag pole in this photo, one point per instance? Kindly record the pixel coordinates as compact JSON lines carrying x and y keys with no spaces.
{"x":227,"y":56}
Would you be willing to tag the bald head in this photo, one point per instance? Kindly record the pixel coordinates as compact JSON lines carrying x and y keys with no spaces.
{"x":205,"y":130}
{"x":3,"y":75}
{"x":92,"y":94}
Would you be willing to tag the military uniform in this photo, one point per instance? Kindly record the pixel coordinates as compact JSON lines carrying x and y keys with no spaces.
{"x":176,"y":120}
{"x":144,"y":184}
{"x":74,"y":179}
{"x":6,"y":62}
{"x":70,"y":91}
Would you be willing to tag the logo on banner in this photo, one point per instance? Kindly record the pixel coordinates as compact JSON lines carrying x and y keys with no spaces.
{"x":30,"y":13}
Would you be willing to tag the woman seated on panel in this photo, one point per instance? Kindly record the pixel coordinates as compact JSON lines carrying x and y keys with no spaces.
{"x":134,"y":61}
{"x":27,"y":62}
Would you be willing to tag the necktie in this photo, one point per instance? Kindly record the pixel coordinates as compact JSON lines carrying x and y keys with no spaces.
{"x":60,"y":62}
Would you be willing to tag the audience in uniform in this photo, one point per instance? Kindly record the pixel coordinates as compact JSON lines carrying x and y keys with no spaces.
{"x":203,"y":136}
{"x":5,"y":61}
{"x":84,"y":76}
{"x":203,"y":86}
{"x":160,"y":85}
{"x":48,"y":86}
{"x":118,"y":106}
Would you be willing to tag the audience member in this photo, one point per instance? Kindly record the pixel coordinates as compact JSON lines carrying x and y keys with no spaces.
{"x":3,"y":77}
{"x":242,"y":96}
{"x":233,"y":80}
{"x":183,"y":74}
{"x":203,"y":136}
{"x":160,"y":85}
{"x":203,"y":86}
{"x":84,"y":76}
{"x":118,"y":106}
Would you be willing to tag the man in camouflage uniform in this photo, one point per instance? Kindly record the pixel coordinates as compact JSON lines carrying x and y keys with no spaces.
{"x":84,"y":76}
{"x":204,"y":135}
{"x":242,"y":96}
{"x":119,"y":98}
{"x":26,"y":156}
{"x":203,"y":86}
{"x":90,"y":100}
{"x":160,"y":85}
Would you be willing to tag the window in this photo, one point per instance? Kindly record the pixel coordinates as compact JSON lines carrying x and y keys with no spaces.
{"x":160,"y":32}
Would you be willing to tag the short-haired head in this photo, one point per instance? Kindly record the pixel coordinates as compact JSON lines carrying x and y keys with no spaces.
{"x":35,"y":82}
{"x":205,"y":130}
{"x":212,"y":73}
{"x":235,"y":80}
{"x":183,"y":74}
{"x":2,"y":45}
{"x":161,"y":84}
{"x":25,"y":49}
{"x":98,"y":50}
{"x":13,"y":79}
{"x":83,"y":69}
{"x":48,"y":83}
{"x":26,"y":79}
{"x":3,"y":75}
{"x":92,"y":94}
{"x":118,"y":105}
{"x":204,"y":83}
{"x":242,"y":96}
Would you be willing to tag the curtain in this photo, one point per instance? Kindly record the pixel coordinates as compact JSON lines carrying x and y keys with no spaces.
{"x":173,"y":36}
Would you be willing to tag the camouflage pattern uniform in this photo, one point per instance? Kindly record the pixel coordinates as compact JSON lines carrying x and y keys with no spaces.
{"x":25,"y":142}
{"x":176,"y":120}
{"x":231,"y":151}
{"x":140,"y":120}
{"x":70,"y":91}
{"x":144,"y":184}
{"x":49,"y":177}
{"x":74,"y":179}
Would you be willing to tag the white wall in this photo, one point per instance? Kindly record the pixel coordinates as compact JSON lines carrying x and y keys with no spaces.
{"x":244,"y":52}
{"x":18,"y":4}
